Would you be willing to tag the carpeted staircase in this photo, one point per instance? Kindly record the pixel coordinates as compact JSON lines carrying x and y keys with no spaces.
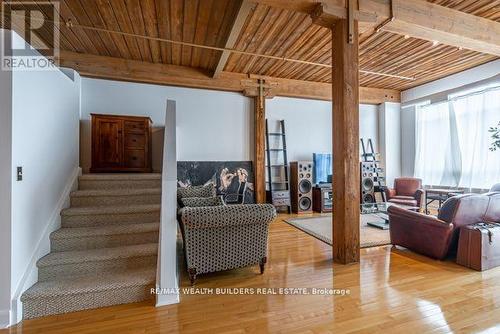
{"x":106,"y":249}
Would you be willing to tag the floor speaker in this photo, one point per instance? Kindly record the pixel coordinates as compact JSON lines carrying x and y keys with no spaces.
{"x":368,"y":175}
{"x":301,"y":186}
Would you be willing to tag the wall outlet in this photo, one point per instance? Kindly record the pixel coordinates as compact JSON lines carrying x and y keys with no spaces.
{"x":19,"y":173}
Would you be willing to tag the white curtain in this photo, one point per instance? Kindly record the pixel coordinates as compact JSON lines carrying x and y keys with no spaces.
{"x":475,"y":114}
{"x":453,"y":141}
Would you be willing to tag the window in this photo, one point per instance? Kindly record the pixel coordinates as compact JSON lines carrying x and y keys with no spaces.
{"x":453,"y":141}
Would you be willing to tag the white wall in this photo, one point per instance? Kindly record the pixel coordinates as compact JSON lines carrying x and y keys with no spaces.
{"x":5,"y":188}
{"x":390,"y":140}
{"x":211,"y":125}
{"x":45,"y":132}
{"x":408,"y":140}
{"x":309,"y":125}
{"x":454,"y":81}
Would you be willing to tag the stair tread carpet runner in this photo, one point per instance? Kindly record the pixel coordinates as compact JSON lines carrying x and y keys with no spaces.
{"x":106,"y":250}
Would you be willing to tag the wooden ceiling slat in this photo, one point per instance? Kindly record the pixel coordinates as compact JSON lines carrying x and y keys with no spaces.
{"x":297,"y":27}
{"x":257,"y":43}
{"x":317,"y":52}
{"x":123,"y":23}
{"x":188,"y":29}
{"x":108,"y":17}
{"x":274,"y":26}
{"x":205,"y":8}
{"x":304,"y":50}
{"x":148,"y":11}
{"x":77,"y":14}
{"x":271,"y":40}
{"x":136,"y":18}
{"x":297,"y":44}
{"x":68,"y":34}
{"x":254,"y":21}
{"x":213,"y":32}
{"x":176,"y":21}
{"x":91,"y":16}
{"x":80,"y":37}
{"x":230,"y":12}
{"x":163,"y":14}
{"x":65,"y":42}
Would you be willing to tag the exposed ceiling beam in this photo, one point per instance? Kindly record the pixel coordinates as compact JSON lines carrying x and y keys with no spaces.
{"x":245,"y":9}
{"x":414,"y":18}
{"x":428,"y":21}
{"x":136,"y":71}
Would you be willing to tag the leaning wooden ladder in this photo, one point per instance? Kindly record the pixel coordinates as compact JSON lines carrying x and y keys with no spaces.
{"x":280,"y":198}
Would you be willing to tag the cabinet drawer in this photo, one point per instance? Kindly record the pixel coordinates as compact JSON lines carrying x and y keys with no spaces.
{"x":135,"y":140}
{"x":135,"y":127}
{"x":135,"y":158}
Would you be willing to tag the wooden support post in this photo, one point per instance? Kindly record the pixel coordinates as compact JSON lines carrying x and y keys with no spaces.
{"x":346,"y":178}
{"x":260,"y":146}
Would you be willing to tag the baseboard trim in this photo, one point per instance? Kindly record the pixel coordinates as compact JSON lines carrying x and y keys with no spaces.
{"x":42,"y":248}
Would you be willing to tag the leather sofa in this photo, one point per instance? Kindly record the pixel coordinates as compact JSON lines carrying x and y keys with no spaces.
{"x":496,"y":187}
{"x":437,"y":237}
{"x":406,"y":191}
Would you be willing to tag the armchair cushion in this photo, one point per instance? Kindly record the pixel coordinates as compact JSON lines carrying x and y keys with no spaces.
{"x":407,"y":186}
{"x":196,"y":191}
{"x":229,"y":215}
{"x":201,"y":201}
{"x":390,"y":193}
{"x":404,"y":200}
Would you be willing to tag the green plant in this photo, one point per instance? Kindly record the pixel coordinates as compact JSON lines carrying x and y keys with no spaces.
{"x":495,"y":135}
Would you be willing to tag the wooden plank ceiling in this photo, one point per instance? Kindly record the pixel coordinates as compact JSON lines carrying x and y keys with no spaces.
{"x":267,"y":30}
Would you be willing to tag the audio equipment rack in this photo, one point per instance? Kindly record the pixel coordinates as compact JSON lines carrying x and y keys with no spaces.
{"x":369,"y":155}
{"x":278,"y":191}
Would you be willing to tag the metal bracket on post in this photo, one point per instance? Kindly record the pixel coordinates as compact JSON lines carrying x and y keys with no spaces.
{"x":350,"y":16}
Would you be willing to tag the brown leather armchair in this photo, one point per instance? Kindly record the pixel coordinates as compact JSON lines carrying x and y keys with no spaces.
{"x":438,"y":237}
{"x":407,"y":191}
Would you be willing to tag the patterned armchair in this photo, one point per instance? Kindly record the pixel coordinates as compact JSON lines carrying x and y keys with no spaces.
{"x":225,"y":237}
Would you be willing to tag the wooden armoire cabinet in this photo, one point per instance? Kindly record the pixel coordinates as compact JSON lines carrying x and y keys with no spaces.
{"x":121,"y":144}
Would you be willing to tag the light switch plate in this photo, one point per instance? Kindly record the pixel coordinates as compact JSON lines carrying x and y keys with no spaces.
{"x":19,"y":173}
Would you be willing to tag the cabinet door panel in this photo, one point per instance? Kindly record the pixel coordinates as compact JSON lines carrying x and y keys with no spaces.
{"x":110,"y":143}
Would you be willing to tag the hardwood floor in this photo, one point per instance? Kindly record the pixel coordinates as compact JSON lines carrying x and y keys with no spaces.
{"x":391,"y":291}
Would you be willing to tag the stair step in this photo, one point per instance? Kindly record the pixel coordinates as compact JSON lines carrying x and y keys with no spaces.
{"x":119,"y":181}
{"x":82,"y":238}
{"x":113,"y":197}
{"x":96,"y":261}
{"x":75,"y":294}
{"x":98,"y":216}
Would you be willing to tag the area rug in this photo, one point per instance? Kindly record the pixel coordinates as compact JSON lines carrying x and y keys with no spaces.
{"x":321,"y":228}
